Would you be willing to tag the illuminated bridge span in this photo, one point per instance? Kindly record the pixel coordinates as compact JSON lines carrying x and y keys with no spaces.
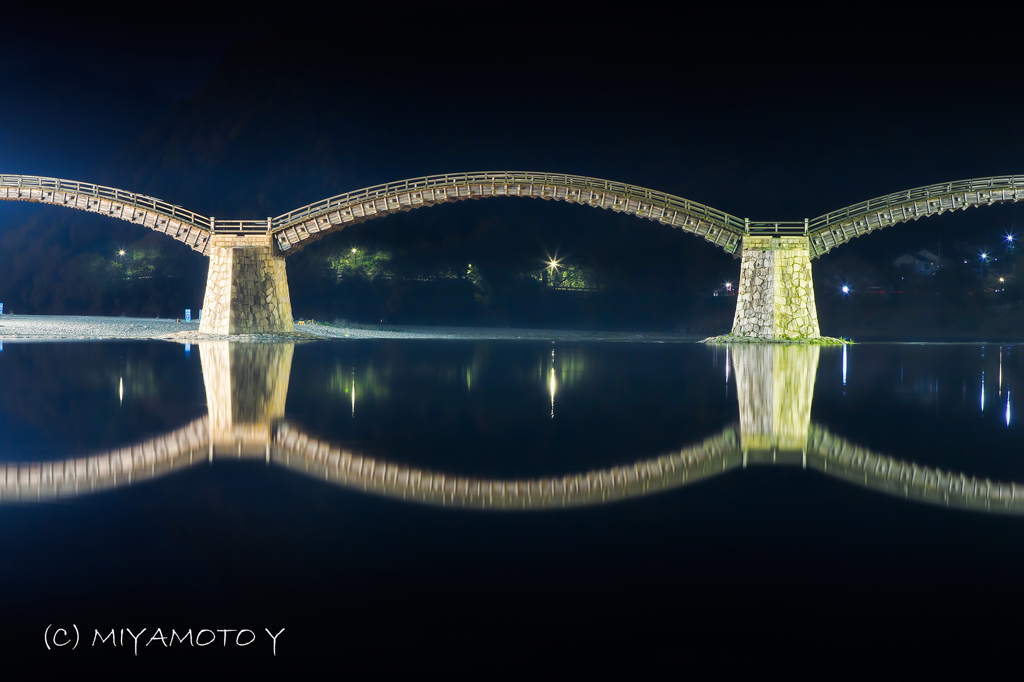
{"x":296,"y":228}
{"x":174,"y":221}
{"x":838,"y":227}
{"x":247,"y":287}
{"x":192,"y":444}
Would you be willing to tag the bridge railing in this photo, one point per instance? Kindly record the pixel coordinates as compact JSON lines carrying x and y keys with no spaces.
{"x":218,"y":226}
{"x":509,"y":178}
{"x":998,"y":182}
{"x":30,"y":182}
{"x":779,"y":227}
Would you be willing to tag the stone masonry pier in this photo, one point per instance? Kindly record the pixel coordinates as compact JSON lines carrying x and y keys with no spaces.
{"x":246,"y":288}
{"x":775,"y":298}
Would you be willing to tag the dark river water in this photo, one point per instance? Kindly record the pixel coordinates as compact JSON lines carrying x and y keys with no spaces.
{"x":448,"y":503}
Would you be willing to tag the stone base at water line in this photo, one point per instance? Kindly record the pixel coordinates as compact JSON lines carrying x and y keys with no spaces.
{"x":816,"y":341}
{"x":265,"y":337}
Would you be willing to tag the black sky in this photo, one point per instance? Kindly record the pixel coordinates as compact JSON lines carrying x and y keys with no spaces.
{"x":753,"y":119}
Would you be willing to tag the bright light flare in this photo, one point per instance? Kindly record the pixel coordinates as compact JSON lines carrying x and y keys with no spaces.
{"x":846,"y":289}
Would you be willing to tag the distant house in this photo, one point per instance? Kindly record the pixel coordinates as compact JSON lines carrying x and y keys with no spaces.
{"x":923,"y":262}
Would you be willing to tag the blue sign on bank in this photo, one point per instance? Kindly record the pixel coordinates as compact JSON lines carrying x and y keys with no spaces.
{"x":188,"y":314}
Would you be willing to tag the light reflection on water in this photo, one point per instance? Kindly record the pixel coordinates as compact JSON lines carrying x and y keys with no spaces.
{"x":313,"y":486}
{"x":246,"y":387}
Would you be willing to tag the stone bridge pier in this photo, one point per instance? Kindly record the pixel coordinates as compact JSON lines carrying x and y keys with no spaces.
{"x":246,"y":287}
{"x":775,"y":389}
{"x":246,"y":388}
{"x":775,"y":298}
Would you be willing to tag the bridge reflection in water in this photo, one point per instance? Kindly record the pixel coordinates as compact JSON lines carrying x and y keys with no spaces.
{"x":246,"y":386}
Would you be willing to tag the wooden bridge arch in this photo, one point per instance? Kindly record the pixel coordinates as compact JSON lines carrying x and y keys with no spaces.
{"x":176,"y":222}
{"x":297,"y":228}
{"x":838,"y":227}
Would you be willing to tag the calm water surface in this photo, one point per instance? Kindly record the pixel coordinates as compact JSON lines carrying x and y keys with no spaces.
{"x":410,"y":501}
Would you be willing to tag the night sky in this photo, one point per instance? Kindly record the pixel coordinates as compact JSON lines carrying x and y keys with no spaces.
{"x":250,"y":120}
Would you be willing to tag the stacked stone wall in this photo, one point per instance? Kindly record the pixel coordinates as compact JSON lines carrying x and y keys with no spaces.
{"x":246,"y":288}
{"x":775,"y":298}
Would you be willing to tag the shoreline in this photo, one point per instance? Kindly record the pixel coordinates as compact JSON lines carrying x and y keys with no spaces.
{"x":26,"y":328}
{"x":40,"y":328}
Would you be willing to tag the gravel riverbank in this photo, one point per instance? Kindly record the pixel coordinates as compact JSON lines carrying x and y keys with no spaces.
{"x":71,"y":328}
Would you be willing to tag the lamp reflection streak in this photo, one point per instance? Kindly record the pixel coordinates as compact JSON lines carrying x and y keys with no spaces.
{"x":552,"y":383}
{"x":844,"y":364}
{"x":727,"y":365}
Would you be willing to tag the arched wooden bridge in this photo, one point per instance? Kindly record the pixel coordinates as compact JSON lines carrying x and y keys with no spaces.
{"x":786,"y":311}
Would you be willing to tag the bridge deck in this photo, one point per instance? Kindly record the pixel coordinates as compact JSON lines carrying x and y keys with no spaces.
{"x":295,"y":228}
